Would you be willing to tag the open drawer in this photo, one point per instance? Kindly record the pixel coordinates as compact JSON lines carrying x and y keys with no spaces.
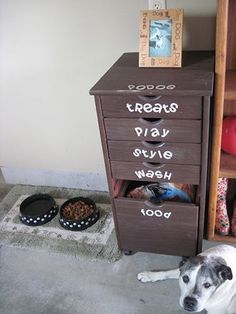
{"x":166,"y":228}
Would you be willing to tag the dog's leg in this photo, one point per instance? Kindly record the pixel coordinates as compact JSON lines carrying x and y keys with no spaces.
{"x":152,"y":276}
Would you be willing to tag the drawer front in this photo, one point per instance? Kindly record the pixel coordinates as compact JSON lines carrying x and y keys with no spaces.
{"x":152,"y":107}
{"x":155,"y":172}
{"x":167,"y":229}
{"x":178,"y":153}
{"x":161,"y":130}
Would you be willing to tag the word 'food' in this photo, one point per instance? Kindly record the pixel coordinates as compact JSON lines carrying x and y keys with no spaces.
{"x":158,"y":213}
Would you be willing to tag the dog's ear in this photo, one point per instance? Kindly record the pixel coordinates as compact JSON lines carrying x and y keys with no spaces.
{"x":193,"y":260}
{"x":224,"y":272}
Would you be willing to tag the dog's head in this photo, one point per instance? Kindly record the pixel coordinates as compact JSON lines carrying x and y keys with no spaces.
{"x":200,"y":277}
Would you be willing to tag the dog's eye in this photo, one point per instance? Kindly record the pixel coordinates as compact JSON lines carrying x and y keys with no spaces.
{"x":186,"y":279}
{"x":206,"y":285}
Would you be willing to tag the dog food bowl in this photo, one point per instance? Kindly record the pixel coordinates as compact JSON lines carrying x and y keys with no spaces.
{"x":78,"y":214}
{"x":38,"y":209}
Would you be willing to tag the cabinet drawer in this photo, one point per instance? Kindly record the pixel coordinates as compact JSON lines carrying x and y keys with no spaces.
{"x":178,"y":153}
{"x":152,"y":107}
{"x":155,"y":172}
{"x":159,"y":130}
{"x":170,"y":228}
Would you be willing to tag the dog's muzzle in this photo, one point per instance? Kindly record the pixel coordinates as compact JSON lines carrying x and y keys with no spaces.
{"x":190,"y":304}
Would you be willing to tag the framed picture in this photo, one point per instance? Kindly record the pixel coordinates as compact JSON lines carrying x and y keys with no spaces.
{"x":160,"y":40}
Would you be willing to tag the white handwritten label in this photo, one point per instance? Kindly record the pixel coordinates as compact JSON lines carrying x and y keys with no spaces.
{"x":153,"y":132}
{"x":150,"y":154}
{"x":148,"y":108}
{"x":151,"y":87}
{"x":158,"y":213}
{"x":150,"y":174}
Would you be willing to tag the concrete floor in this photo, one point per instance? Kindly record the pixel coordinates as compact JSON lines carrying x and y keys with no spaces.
{"x":37,"y":282}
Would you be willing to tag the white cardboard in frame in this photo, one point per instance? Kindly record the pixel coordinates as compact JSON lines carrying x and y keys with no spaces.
{"x":160,"y":39}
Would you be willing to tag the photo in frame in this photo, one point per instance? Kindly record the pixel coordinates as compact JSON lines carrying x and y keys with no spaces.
{"x":160,"y":39}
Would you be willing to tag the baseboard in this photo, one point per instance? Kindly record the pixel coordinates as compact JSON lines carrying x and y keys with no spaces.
{"x":80,"y":180}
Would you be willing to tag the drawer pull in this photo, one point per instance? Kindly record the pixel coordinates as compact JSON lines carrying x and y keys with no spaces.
{"x":152,"y":165}
{"x":153,"y":144}
{"x":150,"y":204}
{"x":150,"y":121}
{"x":148,"y":98}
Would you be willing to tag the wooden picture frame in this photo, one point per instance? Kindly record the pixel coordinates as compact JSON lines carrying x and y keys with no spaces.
{"x":160,"y":40}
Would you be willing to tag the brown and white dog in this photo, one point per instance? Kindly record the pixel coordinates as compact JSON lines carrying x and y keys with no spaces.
{"x":207,"y":281}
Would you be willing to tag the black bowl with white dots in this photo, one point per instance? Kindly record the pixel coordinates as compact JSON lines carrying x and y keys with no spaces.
{"x":38,"y":209}
{"x":80,"y":224}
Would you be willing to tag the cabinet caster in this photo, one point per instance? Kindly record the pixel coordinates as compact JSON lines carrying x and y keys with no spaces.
{"x":127,"y":252}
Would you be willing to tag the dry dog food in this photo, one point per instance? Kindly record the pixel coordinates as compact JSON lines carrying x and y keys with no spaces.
{"x":78,"y":210}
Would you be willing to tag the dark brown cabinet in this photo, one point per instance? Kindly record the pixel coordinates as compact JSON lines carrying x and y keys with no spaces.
{"x":154,"y":126}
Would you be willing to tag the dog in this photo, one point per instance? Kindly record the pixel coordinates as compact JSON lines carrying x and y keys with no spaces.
{"x":207,"y":281}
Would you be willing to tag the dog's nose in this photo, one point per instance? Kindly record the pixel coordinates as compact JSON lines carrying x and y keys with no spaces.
{"x":190,"y":303}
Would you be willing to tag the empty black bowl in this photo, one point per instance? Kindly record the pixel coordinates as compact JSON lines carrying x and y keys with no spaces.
{"x":38,"y":209}
{"x":84,"y":222}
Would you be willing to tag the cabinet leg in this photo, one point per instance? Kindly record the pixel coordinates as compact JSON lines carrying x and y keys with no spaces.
{"x":128,"y":252}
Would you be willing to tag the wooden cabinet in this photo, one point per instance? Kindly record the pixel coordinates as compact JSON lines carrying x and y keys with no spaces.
{"x":154,"y":126}
{"x":222,"y":164}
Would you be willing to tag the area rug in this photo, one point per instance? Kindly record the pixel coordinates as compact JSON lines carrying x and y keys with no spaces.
{"x":95,"y":243}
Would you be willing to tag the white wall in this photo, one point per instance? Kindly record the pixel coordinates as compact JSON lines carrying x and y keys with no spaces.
{"x":51,"y":54}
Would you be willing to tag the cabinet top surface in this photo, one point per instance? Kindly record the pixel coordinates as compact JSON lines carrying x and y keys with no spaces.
{"x":125,"y":77}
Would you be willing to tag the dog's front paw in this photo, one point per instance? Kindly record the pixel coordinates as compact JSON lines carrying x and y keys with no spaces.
{"x":146,"y":276}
